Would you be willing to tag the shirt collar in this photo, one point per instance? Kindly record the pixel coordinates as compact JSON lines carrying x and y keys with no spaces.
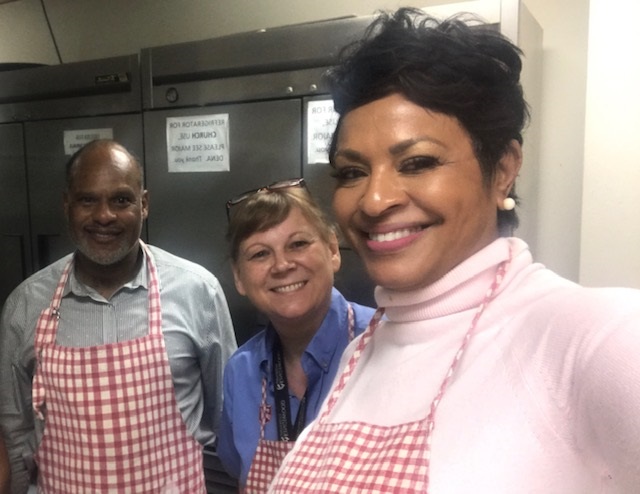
{"x":140,"y":280}
{"x":322,"y":347}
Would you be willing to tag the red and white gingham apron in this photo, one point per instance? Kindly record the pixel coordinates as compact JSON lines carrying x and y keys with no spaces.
{"x":269,"y":454}
{"x":356,"y":457}
{"x":112,"y":420}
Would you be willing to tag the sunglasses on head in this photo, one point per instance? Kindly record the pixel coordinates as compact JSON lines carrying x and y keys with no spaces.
{"x":282,"y":184}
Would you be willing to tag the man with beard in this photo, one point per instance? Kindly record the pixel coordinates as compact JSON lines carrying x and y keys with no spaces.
{"x":111,"y":358}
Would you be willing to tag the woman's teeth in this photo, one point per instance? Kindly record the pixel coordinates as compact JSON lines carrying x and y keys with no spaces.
{"x":387,"y":237}
{"x":289,"y":288}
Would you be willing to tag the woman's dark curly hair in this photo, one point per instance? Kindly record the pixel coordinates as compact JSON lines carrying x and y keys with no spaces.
{"x":459,"y":67}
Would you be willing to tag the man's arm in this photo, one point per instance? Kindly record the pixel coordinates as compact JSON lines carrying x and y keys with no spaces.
{"x":220,"y":345}
{"x":16,"y":419}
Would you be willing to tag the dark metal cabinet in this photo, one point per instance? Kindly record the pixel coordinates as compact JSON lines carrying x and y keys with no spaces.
{"x":15,"y":255}
{"x":352,"y":279}
{"x":262,"y":81}
{"x":46,"y":159}
{"x":47,"y":104}
{"x":187,"y":210}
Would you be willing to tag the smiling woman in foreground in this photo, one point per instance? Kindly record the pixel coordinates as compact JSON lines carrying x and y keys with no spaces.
{"x":490,"y":373}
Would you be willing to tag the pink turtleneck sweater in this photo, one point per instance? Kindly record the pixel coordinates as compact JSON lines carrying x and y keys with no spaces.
{"x":546,"y":399}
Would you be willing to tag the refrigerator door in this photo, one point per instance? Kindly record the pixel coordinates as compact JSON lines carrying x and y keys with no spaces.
{"x":49,"y":145}
{"x":319,"y":121}
{"x":187,"y":214}
{"x":15,"y":257}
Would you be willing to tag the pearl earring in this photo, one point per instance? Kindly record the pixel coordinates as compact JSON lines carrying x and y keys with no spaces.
{"x":508,"y":204}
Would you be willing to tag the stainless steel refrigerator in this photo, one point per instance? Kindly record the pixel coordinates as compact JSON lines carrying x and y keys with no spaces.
{"x":46,"y":113}
{"x":247,"y":96}
{"x":226,"y":115}
{"x":15,"y":252}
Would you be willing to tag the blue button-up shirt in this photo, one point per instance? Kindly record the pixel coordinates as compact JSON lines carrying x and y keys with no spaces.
{"x":243,"y":374}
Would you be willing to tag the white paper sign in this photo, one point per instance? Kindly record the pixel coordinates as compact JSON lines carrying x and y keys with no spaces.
{"x":198,"y":143}
{"x":321,"y":122}
{"x":75,"y":139}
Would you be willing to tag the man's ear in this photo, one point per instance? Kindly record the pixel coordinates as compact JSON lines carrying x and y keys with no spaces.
{"x":145,"y":204}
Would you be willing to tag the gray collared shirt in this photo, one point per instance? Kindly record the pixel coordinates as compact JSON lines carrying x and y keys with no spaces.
{"x":195,"y":321}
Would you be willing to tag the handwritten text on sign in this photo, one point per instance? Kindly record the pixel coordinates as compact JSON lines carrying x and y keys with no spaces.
{"x":198,"y":143}
{"x":321,"y":122}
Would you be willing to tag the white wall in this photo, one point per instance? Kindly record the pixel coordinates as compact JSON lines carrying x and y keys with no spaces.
{"x":611,"y":206}
{"x":24,"y":37}
{"x":559,"y":201}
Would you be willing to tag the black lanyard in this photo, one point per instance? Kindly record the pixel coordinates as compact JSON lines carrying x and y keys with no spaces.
{"x":286,"y":430}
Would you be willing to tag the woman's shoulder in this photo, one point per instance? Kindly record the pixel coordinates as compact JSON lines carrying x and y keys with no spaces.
{"x":555,"y":297}
{"x":604,"y":306}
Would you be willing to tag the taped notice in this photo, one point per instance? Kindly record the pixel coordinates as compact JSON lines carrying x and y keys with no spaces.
{"x":321,"y":122}
{"x":198,"y":143}
{"x":75,"y":139}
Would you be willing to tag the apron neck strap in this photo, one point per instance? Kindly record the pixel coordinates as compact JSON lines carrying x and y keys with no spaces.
{"x":155,"y":312}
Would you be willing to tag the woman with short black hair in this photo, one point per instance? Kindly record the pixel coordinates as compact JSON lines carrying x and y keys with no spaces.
{"x":490,"y":374}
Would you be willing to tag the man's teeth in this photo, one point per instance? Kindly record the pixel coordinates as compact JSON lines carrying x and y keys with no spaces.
{"x":387,"y":237}
{"x":289,"y":288}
